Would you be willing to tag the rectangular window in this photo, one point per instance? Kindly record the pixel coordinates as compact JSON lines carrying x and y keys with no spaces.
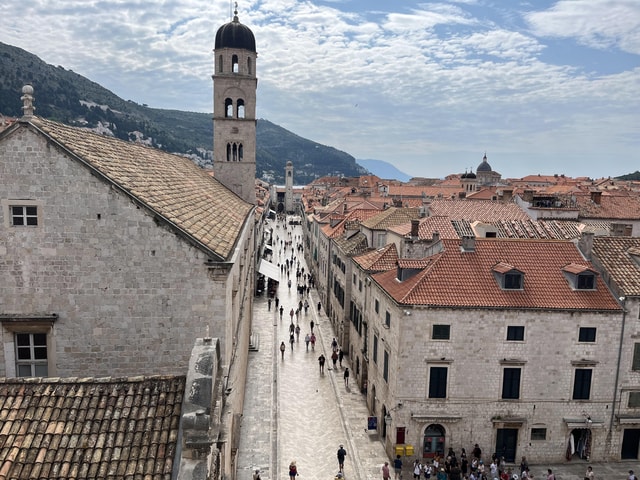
{"x":441,"y":332}
{"x":515,"y":333}
{"x":511,"y":383}
{"x":586,"y":282}
{"x":354,"y":279}
{"x":438,"y":382}
{"x":31,"y":355}
{"x":375,"y":349}
{"x":385,"y":370}
{"x":359,"y":285}
{"x":24,"y":215}
{"x":582,"y":384}
{"x":587,"y":334}
{"x":513,"y":281}
{"x":634,"y":399}
{"x":538,"y":434}
{"x":387,"y":320}
{"x":377,"y":306}
{"x":636,"y":357}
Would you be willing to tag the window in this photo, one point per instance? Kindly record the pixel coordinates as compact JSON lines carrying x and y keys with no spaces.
{"x":582,"y":384}
{"x":538,"y":434}
{"x":513,"y":281}
{"x":375,"y":349}
{"x":228,"y":108}
{"x":587,"y":334}
{"x":441,"y":332}
{"x":511,"y":383}
{"x":241,"y":112}
{"x":438,"y":382}
{"x":586,"y":281}
{"x":634,"y":399}
{"x":636,"y":357}
{"x":377,"y":306}
{"x":24,"y":215}
{"x":234,"y":64}
{"x":354,"y":278}
{"x":385,"y":368}
{"x":387,"y":320}
{"x":515,"y":333}
{"x":31,"y":354}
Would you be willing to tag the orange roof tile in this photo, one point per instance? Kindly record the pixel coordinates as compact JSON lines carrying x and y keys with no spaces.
{"x":466,"y":279}
{"x":620,"y":258}
{"x":378,"y":260}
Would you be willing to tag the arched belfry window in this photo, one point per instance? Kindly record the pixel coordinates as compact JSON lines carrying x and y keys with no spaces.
{"x":240,"y":108}
{"x":288,"y":174}
{"x":240,"y":152}
{"x":228,"y":108}
{"x":234,"y":63}
{"x":249,"y":66}
{"x":220,"y":64}
{"x":228,"y":152}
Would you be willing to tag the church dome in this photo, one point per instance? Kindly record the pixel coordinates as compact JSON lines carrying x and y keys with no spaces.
{"x":469,"y":175}
{"x":484,"y":166}
{"x":235,"y":35}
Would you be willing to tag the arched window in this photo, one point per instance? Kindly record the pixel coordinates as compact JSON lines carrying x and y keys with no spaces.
{"x":235,"y":152}
{"x":228,"y":152}
{"x":249,"y":66}
{"x":240,"y":152}
{"x":234,"y":63}
{"x":240,"y":108}
{"x":220,"y":64}
{"x":289,"y":173}
{"x":228,"y":108}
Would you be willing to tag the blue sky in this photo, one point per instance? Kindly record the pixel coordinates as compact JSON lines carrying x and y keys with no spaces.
{"x":541,"y":86}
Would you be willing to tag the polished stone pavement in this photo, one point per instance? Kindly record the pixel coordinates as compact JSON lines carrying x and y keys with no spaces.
{"x":292,"y":412}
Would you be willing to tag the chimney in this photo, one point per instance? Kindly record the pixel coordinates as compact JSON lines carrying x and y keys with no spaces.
{"x":27,"y":102}
{"x":585,"y":244}
{"x":414,"y":228}
{"x":596,"y":197}
{"x":468,"y":243}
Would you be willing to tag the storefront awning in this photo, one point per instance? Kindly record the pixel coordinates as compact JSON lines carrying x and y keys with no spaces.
{"x":270,"y":270}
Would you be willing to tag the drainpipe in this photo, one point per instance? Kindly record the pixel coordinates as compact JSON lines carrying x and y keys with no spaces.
{"x":615,"y":388}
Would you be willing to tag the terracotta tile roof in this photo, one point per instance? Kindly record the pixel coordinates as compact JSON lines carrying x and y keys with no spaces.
{"x":390,"y":217}
{"x":170,"y":185}
{"x":354,"y":245}
{"x":612,"y":205}
{"x":379,"y":260}
{"x":477,"y":210}
{"x":89,"y":428}
{"x":466,"y":279}
{"x":620,"y":258}
{"x":427,"y":226}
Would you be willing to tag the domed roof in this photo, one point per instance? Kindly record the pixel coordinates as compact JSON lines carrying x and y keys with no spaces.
{"x":468,"y":175}
{"x":484,"y":166}
{"x":235,"y":35}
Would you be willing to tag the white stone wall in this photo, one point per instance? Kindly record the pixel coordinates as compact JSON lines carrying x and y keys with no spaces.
{"x":131,"y":295}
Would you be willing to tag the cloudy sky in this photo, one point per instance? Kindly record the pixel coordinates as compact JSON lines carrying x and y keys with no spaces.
{"x":541,"y":86}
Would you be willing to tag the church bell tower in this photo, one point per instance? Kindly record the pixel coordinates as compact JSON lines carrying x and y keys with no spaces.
{"x":234,"y":108}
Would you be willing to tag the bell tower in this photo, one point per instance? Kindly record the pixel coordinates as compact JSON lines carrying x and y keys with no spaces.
{"x":288,"y":188}
{"x":234,"y":108}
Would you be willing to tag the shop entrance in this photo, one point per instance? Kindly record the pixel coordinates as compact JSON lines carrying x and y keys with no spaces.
{"x":433,"y":441}
{"x":630,"y":444}
{"x":579,"y":444}
{"x":507,"y":443}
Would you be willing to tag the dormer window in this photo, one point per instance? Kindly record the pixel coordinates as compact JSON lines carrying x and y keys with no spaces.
{"x":580,"y":277}
{"x":508,"y":277}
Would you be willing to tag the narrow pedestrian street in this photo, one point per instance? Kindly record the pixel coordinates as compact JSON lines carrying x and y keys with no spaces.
{"x":292,"y":412}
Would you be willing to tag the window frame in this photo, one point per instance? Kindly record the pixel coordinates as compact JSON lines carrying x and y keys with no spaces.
{"x":385,"y":367}
{"x":538,"y":433}
{"x":587,"y":337}
{"x":515,"y":333}
{"x":440,"y":337}
{"x":582,"y":382}
{"x":438,"y":381}
{"x":8,"y":206}
{"x":511,"y":383}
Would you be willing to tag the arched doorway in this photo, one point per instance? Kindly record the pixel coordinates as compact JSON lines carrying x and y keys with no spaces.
{"x":434,"y":436}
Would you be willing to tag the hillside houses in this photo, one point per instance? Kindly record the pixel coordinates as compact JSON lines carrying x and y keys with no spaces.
{"x":489,"y":320}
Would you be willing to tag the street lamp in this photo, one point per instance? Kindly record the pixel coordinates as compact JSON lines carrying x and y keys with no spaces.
{"x":387,"y":419}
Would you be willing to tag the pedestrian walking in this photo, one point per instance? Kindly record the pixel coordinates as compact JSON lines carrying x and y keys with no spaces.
{"x":319,"y":307}
{"x":417,"y":468}
{"x":334,"y":359}
{"x":256,"y":474}
{"x":340,"y":356}
{"x":307,"y":339}
{"x":630,"y":477}
{"x":269,"y":304}
{"x":334,"y":344}
{"x":313,"y":341}
{"x":442,"y":475}
{"x":346,"y":377}
{"x":551,"y":476}
{"x":524,"y":465}
{"x":321,"y":361}
{"x":397,"y":467}
{"x":385,"y":471}
{"x":289,"y":282}
{"x":341,"y":454}
{"x":589,"y":475}
{"x":292,"y":340}
{"x":291,"y":314}
{"x":281,"y":311}
{"x":297,"y":333}
{"x":277,"y":302}
{"x":311,"y":324}
{"x":282,"y":349}
{"x":293,"y":470}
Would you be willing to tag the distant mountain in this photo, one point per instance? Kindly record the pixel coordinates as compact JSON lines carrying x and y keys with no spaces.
{"x":67,"y":97}
{"x":383,"y":169}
